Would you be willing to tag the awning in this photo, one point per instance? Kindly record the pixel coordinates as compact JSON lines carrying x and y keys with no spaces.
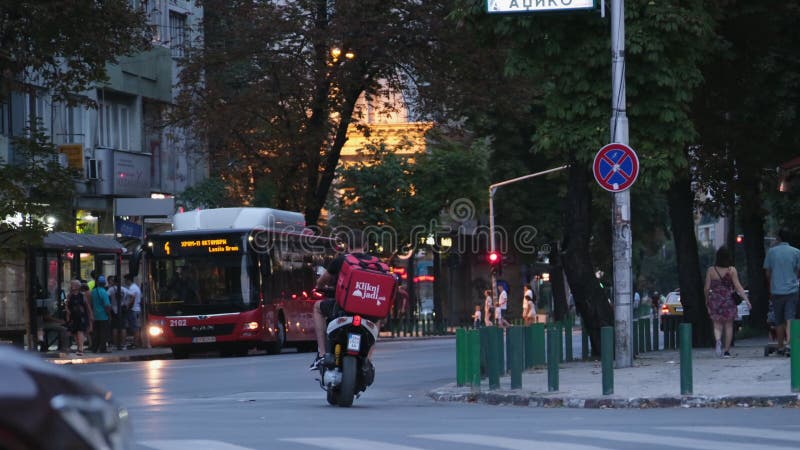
{"x":90,"y":243}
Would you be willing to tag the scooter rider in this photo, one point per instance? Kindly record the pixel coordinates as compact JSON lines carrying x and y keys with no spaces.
{"x":323,"y":309}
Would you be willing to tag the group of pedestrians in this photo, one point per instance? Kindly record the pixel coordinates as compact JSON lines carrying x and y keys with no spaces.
{"x":723,"y":291}
{"x":104,"y":311}
{"x":493,"y":312}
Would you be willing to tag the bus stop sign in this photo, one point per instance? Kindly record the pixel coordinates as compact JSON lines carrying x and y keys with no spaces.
{"x":616,"y":167}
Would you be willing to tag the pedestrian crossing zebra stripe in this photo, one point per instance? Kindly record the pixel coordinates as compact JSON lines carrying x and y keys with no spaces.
{"x":507,"y":443}
{"x":346,"y":443}
{"x":674,"y":441}
{"x":758,"y":433}
{"x":190,"y":444}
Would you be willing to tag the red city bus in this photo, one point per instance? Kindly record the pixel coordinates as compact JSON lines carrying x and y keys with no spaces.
{"x":232,"y":279}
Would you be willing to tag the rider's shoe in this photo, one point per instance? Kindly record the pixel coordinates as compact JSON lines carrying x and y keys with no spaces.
{"x":317,"y":363}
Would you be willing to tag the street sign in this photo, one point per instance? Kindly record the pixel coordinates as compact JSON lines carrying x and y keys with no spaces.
{"x":616,"y":167}
{"x":512,"y":6}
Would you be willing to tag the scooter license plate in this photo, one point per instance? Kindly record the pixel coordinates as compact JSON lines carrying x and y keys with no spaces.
{"x":353,"y":342}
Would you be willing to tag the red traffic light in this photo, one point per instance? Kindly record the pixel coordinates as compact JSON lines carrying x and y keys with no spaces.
{"x":739,"y":238}
{"x":493,"y":258}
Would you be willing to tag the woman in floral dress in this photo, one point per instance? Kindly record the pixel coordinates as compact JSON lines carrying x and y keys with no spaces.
{"x":721,"y":280}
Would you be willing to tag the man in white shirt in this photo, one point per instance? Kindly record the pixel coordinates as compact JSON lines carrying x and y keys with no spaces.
{"x":135,"y":309}
{"x":502,"y":305}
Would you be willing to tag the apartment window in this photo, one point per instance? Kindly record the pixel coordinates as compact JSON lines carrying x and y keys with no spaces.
{"x":115,"y":126}
{"x":177,"y":33}
{"x":38,"y":106}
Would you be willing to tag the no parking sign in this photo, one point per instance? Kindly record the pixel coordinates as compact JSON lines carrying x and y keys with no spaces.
{"x":616,"y":167}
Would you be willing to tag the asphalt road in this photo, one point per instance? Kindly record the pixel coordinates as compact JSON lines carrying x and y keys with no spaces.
{"x":273,"y":402}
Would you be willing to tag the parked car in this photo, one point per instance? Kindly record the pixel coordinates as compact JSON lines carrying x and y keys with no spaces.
{"x":44,"y":406}
{"x":672,"y":306}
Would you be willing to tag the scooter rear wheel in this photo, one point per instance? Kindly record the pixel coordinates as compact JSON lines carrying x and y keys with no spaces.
{"x":349,"y":374}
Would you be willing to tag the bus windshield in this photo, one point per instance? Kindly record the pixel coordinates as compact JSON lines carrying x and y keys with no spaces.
{"x":202,"y":285}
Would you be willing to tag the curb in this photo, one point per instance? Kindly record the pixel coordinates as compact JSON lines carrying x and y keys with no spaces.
{"x":686,"y":401}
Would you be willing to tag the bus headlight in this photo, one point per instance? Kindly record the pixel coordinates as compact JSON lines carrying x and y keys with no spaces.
{"x":155,"y":331}
{"x":251,"y":326}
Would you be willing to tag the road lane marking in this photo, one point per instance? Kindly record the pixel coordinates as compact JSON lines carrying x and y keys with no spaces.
{"x":673,"y":441}
{"x":759,"y":433}
{"x":190,"y":444}
{"x":507,"y":443}
{"x":345,"y":443}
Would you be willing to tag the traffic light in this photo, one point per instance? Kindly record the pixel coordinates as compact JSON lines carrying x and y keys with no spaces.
{"x":495,"y":261}
{"x":739,"y":238}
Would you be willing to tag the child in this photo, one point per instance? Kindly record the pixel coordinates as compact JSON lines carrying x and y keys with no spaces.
{"x":476,"y":317}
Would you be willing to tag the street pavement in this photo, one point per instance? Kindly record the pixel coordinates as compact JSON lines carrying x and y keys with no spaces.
{"x":748,"y":379}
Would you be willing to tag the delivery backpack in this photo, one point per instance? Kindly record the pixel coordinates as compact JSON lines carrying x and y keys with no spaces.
{"x":365,"y":286}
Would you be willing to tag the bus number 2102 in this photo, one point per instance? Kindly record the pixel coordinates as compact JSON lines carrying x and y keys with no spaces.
{"x":177,"y":322}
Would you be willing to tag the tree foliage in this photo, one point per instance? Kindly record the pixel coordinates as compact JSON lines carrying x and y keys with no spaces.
{"x":268,"y":70}
{"x":65,"y":46}
{"x":33,"y":187}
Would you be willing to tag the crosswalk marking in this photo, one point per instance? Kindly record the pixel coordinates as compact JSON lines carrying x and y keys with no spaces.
{"x":743,"y":432}
{"x":345,"y":443}
{"x":648,"y":439}
{"x":506,"y":443}
{"x":190,"y":444}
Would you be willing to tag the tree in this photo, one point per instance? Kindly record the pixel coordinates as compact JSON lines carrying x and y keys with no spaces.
{"x":65,"y":46}
{"x":287,"y":99}
{"x":33,"y":187}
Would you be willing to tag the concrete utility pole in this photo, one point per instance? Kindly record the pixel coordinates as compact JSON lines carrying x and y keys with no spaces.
{"x":621,"y":209}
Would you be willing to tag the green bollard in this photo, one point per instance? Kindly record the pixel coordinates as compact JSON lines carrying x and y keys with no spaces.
{"x":607,"y":357}
{"x":484,"y":332}
{"x":686,"y":358}
{"x":553,"y":357}
{"x":516,"y":341}
{"x":568,"y":338}
{"x":648,"y":342}
{"x":635,"y":337}
{"x":656,"y":344}
{"x":500,"y":350}
{"x":491,"y":360}
{"x":529,"y":347}
{"x":474,"y":358}
{"x":584,"y":343}
{"x":794,"y":344}
{"x":539,"y":353}
{"x":461,"y":357}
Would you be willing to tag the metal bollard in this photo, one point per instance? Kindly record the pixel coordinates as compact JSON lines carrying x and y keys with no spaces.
{"x":553,"y":357}
{"x":568,"y":338}
{"x":648,"y":342}
{"x":539,"y":346}
{"x":584,"y":343}
{"x":635,"y":337}
{"x":686,"y":358}
{"x":656,"y":344}
{"x":461,"y":357}
{"x":484,"y":332}
{"x":474,"y":360}
{"x":529,"y":347}
{"x":516,"y":343}
{"x":794,"y":344}
{"x":500,"y":348}
{"x":607,"y":356}
{"x":491,"y":360}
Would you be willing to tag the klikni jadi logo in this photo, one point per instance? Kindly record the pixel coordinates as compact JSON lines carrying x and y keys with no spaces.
{"x":367,"y":291}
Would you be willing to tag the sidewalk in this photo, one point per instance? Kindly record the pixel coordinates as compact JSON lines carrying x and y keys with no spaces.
{"x":748,"y":379}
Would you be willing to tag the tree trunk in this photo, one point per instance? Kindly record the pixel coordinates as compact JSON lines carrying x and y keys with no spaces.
{"x":681,"y":212}
{"x":751,"y":216}
{"x":561,"y":309}
{"x":590,"y":300}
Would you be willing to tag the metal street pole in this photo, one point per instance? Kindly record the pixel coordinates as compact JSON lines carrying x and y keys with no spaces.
{"x":492,"y":190}
{"x":621,"y":210}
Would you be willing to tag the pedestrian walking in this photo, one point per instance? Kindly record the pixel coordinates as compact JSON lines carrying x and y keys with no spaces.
{"x":477,"y":322}
{"x":488,"y":307}
{"x":722,"y":281}
{"x":782,"y":265}
{"x":501,"y":306}
{"x":79,"y":315}
{"x":101,"y":308}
